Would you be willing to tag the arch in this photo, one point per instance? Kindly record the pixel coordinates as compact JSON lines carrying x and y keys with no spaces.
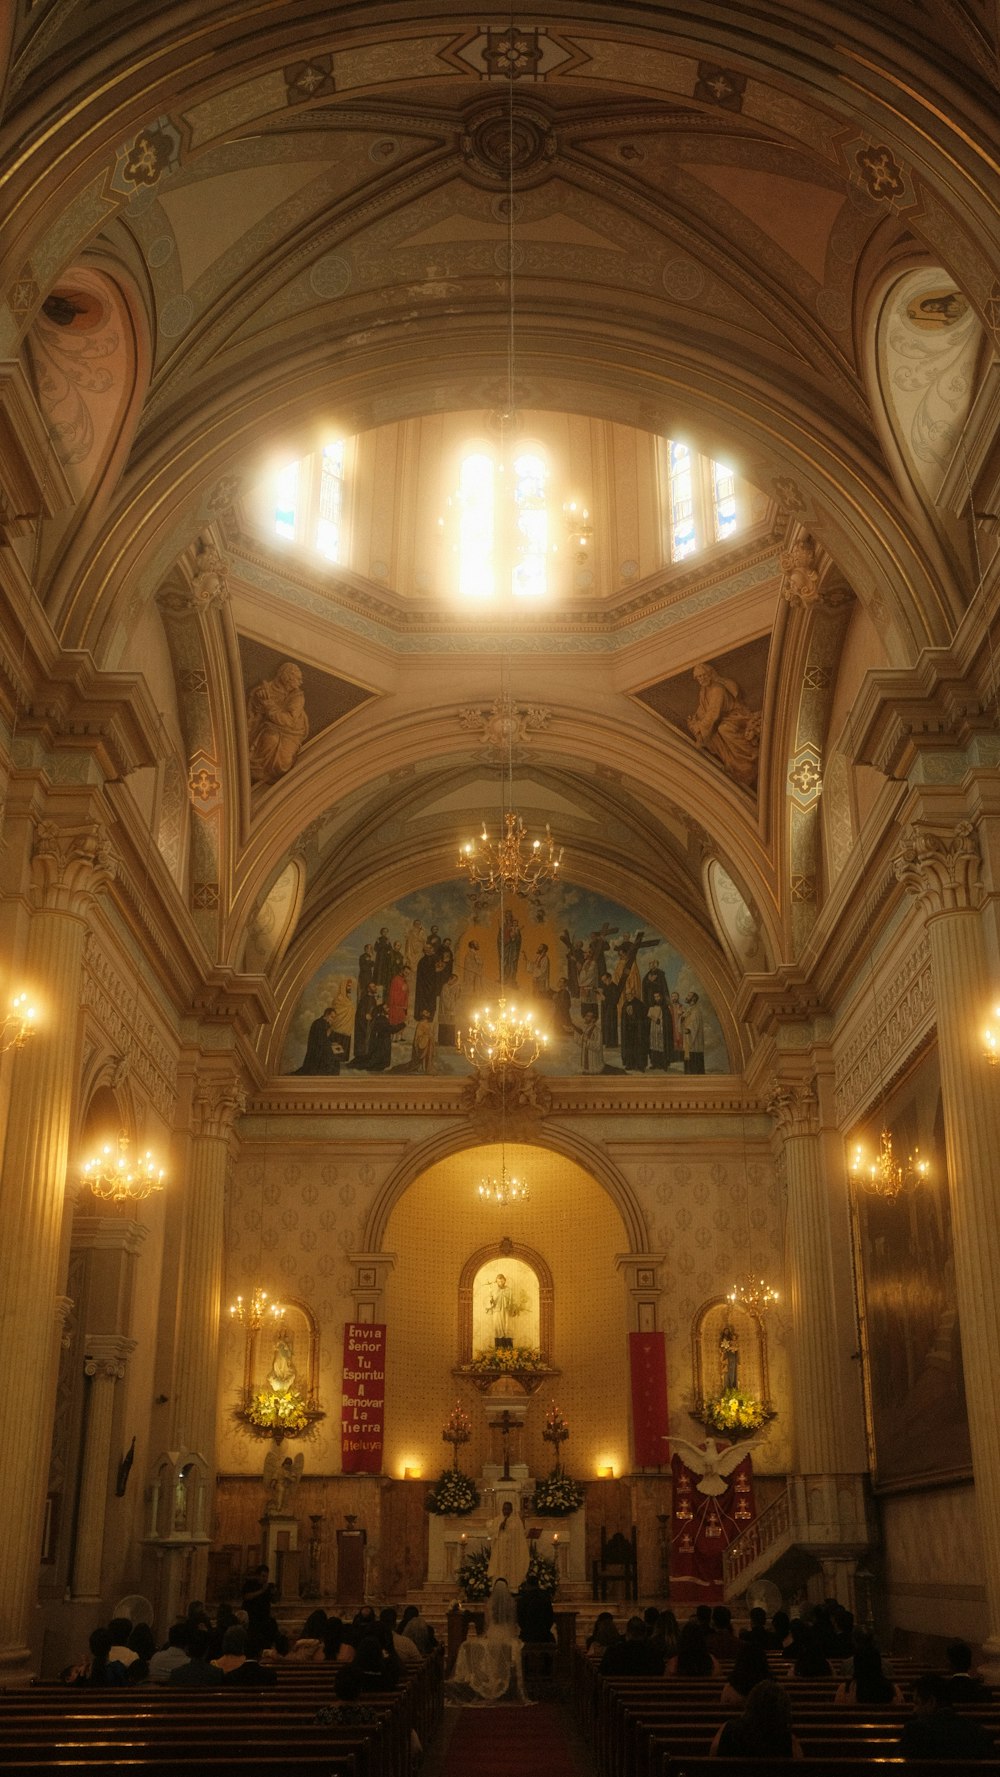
{"x":587,"y":1154}
{"x":546,"y":1293}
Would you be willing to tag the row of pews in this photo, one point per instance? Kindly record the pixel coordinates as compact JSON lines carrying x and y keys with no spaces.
{"x":663,"y":1727}
{"x":155,"y":1730}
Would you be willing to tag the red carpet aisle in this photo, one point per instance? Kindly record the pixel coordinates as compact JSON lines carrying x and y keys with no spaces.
{"x":499,"y":1742}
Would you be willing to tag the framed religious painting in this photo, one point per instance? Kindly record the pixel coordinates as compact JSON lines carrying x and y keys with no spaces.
{"x":911,"y":1341}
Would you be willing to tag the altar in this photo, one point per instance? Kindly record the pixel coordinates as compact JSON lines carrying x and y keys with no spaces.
{"x":451,"y":1539}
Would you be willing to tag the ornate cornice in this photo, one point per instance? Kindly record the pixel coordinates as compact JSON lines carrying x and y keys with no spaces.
{"x":123,"y":1019}
{"x":577,"y":1096}
{"x":766,"y":1002}
{"x":933,"y":708}
{"x":896,"y":1026}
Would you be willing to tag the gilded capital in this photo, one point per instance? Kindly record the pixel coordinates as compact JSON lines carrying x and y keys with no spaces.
{"x":71,"y":863}
{"x":794,"y":1107}
{"x":217,"y":1104}
{"x":940,"y":869}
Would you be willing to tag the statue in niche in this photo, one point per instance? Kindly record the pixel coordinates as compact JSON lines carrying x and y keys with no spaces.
{"x":729,"y":1357}
{"x":281,"y":1376}
{"x":277,"y":724}
{"x":505,"y":1304}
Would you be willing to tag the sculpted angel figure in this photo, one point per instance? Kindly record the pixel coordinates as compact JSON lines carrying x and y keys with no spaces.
{"x":713,"y":1462}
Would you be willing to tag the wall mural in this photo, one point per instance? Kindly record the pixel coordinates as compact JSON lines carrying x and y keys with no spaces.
{"x":612,"y":994}
{"x":918,"y":1427}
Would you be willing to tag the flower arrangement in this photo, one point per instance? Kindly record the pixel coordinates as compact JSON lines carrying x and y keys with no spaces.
{"x":474,"y":1577}
{"x":543,"y":1570}
{"x":504,"y":1359}
{"x":278,"y":1415}
{"x":557,"y":1495}
{"x":454,"y":1495}
{"x":734,"y":1411}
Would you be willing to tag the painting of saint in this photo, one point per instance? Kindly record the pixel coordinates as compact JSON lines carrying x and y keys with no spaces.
{"x":918,"y":1425}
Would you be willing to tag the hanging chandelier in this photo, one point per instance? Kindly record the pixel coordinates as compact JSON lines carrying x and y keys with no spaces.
{"x":115,"y":1177}
{"x":753,"y":1294}
{"x":503,"y":1192}
{"x":506,"y":1038}
{"x":885,"y":1176}
{"x":255,"y":1310}
{"x":19,"y":1024}
{"x":504,"y":866}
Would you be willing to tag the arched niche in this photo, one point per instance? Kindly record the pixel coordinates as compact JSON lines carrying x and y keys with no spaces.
{"x":283,"y":1353}
{"x":719,"y":1361}
{"x":529,"y":1273}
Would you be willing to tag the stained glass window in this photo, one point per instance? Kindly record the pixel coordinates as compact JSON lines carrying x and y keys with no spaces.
{"x":531,"y":526}
{"x":683,"y":526}
{"x":329,"y":523}
{"x":476,"y":526}
{"x":723,"y":501}
{"x":286,"y":501}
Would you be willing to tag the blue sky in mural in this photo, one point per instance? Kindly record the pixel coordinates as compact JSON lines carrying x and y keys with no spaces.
{"x":430,"y":952}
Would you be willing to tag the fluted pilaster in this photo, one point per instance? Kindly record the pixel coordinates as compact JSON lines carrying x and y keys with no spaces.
{"x":104,"y":1364}
{"x":940,"y":868}
{"x":71,"y":864}
{"x":217,"y":1105}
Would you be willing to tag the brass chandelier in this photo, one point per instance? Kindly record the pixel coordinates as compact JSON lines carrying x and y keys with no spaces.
{"x":504,"y":866}
{"x":115,"y":1177}
{"x":885,"y":1176}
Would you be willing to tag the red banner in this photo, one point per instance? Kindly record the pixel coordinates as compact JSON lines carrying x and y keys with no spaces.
{"x":703,"y":1527}
{"x":362,"y":1412}
{"x":648,"y":1363}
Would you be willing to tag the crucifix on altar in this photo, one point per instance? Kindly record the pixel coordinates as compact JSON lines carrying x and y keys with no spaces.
{"x":505,"y":1424}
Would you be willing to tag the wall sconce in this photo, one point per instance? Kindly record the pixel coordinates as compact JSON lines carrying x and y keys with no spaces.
{"x":411,"y":1474}
{"x":608,"y":1473}
{"x":991,"y":1041}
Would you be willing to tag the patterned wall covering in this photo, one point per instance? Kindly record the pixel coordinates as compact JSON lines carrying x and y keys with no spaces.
{"x":314,"y":1216}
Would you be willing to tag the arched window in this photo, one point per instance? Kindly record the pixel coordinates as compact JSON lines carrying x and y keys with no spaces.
{"x":476,"y":526}
{"x":531,"y":525}
{"x":502,"y":540}
{"x":310,"y":506}
{"x":703,"y":504}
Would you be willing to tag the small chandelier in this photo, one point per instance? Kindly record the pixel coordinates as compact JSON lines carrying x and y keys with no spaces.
{"x":991,"y":1041}
{"x":503,"y":1191}
{"x":114,"y":1177}
{"x":257,"y":1309}
{"x":503,"y":867}
{"x":19,"y":1024}
{"x":506,"y":1038}
{"x":885,"y":1176}
{"x":752,"y":1294}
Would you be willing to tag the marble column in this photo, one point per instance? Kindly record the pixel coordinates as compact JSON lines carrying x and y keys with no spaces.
{"x":940,"y":867}
{"x":217,"y":1103}
{"x":71,"y":863}
{"x":828,"y":1419}
{"x":104,"y":1364}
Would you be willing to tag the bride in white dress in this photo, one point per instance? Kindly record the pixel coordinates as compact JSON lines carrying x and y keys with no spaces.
{"x":488,"y":1666}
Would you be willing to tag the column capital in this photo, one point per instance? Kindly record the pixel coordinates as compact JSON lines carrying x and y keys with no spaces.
{"x":71,"y":863}
{"x":217,"y":1104}
{"x":105,"y":1355}
{"x":940,"y":866}
{"x":794,"y":1105}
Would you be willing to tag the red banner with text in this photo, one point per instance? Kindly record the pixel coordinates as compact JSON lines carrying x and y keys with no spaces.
{"x":648,"y":1364}
{"x":362,"y":1412}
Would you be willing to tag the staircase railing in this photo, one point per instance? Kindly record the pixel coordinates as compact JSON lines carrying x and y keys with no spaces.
{"x":774,"y":1522}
